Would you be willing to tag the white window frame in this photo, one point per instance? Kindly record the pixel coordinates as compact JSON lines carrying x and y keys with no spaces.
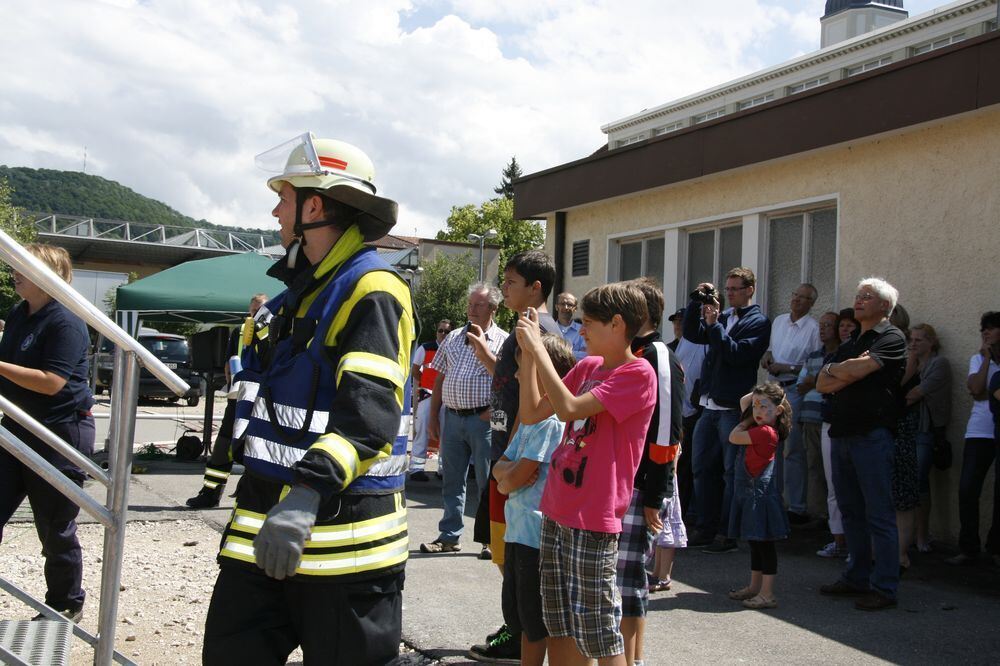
{"x":938,"y":43}
{"x":763,"y":288}
{"x":755,"y":242}
{"x":615,"y":247}
{"x":666,"y":129}
{"x":756,"y":101}
{"x":710,"y":115}
{"x":717,"y":227}
{"x":881,"y":61}
{"x":629,"y":140}
{"x":808,"y":85}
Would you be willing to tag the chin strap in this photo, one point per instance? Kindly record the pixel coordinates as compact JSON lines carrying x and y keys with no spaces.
{"x":300,"y":227}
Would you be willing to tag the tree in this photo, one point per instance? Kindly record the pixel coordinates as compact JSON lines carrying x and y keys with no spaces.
{"x":22,"y":229}
{"x":513,"y":236}
{"x":510,"y":173}
{"x":441,"y":293}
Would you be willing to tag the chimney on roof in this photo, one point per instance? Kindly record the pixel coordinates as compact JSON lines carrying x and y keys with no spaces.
{"x":845,"y":19}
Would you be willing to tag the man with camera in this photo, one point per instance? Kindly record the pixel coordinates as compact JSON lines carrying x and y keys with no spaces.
{"x":737,"y":339}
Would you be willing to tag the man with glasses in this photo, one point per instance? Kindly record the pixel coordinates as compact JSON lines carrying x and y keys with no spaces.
{"x":423,"y":387}
{"x":737,"y":339}
{"x":463,"y":387}
{"x":568,"y":327}
{"x":794,"y":336}
{"x":864,"y":386}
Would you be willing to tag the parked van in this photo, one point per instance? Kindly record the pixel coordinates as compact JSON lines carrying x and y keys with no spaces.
{"x":172,"y":349}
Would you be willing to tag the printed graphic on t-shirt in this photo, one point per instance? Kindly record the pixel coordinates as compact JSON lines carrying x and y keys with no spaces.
{"x":570,"y":460}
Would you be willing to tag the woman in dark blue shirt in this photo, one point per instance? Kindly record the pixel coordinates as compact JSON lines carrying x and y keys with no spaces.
{"x":43,"y":370}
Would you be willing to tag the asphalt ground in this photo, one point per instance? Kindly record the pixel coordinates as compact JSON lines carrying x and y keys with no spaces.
{"x":946,"y":614}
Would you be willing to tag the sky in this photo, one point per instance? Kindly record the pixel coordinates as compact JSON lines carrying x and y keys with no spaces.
{"x":174,"y":98}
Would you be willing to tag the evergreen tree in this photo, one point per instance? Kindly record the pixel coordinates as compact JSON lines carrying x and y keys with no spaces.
{"x":510,"y":173}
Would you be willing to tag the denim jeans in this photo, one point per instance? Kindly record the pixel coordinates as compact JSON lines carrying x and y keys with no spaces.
{"x":862,"y":476}
{"x":712,"y":460}
{"x":977,"y":458}
{"x":925,"y":450}
{"x":464,"y":438}
{"x":792,"y":468}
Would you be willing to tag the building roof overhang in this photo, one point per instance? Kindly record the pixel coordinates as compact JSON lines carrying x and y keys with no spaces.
{"x":957,"y":79}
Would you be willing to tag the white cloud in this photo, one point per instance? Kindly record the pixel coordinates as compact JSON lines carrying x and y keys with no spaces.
{"x":174,"y":98}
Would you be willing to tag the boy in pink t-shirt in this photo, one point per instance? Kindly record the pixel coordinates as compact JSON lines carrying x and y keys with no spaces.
{"x":607,"y":400}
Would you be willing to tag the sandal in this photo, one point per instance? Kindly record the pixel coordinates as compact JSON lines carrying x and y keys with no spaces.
{"x":661,"y":585}
{"x":760,"y":603}
{"x":742,"y":594}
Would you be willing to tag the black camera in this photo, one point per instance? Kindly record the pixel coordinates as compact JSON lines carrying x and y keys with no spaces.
{"x":706,"y":295}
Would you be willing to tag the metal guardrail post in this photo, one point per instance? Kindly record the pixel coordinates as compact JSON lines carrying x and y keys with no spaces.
{"x":125,"y":393}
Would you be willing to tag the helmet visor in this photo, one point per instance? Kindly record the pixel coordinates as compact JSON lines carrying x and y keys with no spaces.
{"x":292,"y":158}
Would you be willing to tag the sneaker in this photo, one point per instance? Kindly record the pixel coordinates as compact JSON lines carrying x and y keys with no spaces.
{"x":832,"y":550}
{"x":491,"y":637}
{"x":438,"y":546}
{"x":486,"y":553}
{"x":504,"y":649}
{"x":842,"y":589}
{"x":420,"y":476}
{"x":873,"y":601}
{"x":71,"y":615}
{"x":961,"y":559}
{"x":721,"y":546}
{"x":207,"y":498}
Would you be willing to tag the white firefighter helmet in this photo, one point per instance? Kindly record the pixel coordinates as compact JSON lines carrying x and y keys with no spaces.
{"x":338,"y":170}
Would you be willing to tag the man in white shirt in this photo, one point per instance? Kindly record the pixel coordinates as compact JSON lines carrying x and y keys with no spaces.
{"x":793,"y":337}
{"x":568,"y":328}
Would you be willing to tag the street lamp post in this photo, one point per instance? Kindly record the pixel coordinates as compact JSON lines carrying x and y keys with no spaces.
{"x":481,"y":239}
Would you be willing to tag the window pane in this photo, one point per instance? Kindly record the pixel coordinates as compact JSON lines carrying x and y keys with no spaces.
{"x":701,"y":253}
{"x":730,"y":255}
{"x":630,"y":261}
{"x":784,"y":262}
{"x":822,"y":258}
{"x":730,"y":250}
{"x":654,"y":259}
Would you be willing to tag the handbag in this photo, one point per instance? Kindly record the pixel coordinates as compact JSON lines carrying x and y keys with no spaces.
{"x":940,"y":450}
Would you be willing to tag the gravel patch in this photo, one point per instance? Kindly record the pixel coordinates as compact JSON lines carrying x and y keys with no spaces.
{"x":168,"y":574}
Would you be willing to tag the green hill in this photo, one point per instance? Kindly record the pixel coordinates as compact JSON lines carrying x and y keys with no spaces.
{"x":76,"y":193}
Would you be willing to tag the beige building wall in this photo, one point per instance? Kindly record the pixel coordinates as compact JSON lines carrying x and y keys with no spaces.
{"x":920,"y":208}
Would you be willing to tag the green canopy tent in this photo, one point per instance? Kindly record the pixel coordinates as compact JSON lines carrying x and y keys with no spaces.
{"x":208,"y":291}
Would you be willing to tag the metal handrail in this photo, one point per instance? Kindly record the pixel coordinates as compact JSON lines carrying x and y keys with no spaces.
{"x":124,"y":394}
{"x":32,"y":268}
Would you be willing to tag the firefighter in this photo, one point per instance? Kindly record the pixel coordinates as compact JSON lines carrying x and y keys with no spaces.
{"x":314,"y":552}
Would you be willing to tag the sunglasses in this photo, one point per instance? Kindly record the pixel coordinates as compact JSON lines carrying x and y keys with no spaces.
{"x":444,"y":330}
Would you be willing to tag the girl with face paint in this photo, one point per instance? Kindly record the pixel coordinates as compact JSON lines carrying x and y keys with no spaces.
{"x":758,"y":514}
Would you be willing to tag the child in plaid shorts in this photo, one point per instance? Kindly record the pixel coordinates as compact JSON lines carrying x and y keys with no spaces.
{"x":606,"y":400}
{"x":654,"y":478}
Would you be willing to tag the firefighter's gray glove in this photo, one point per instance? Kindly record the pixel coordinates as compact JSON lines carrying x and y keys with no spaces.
{"x":283,"y":535}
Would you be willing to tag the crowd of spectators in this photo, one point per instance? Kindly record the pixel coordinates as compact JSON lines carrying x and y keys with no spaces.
{"x":754,"y":427}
